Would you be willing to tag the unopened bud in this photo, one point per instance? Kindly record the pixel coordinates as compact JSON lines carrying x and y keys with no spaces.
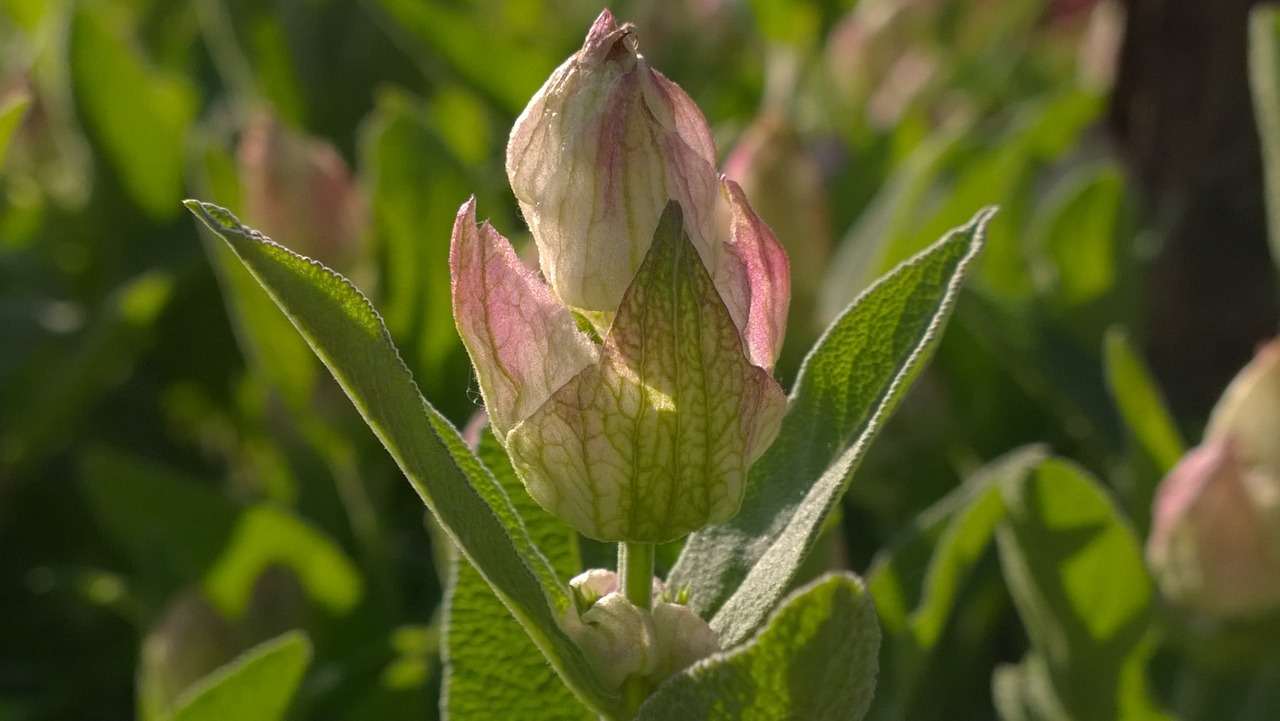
{"x":621,"y":640}
{"x":299,"y":191}
{"x":1249,"y":411}
{"x":1212,"y":545}
{"x":786,"y":190}
{"x":594,"y":159}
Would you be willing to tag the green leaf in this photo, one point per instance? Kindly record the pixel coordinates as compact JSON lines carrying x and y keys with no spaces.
{"x":173,"y":527}
{"x":11,"y":112}
{"x":1077,"y":577}
{"x":955,"y":531}
{"x":848,"y":386}
{"x":492,"y":668}
{"x":351,"y":339}
{"x":258,"y":686}
{"x":816,"y":658}
{"x":265,"y":536}
{"x":915,"y":581}
{"x":179,"y":531}
{"x":140,"y":112}
{"x":1264,"y":79}
{"x":401,"y":156}
{"x":508,"y":72}
{"x":1140,"y":403}
{"x":1080,"y":234}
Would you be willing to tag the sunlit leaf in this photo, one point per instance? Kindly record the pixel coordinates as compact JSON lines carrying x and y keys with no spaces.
{"x":349,"y":336}
{"x":849,"y":384}
{"x":258,"y":686}
{"x":492,"y":667}
{"x":815,"y":658}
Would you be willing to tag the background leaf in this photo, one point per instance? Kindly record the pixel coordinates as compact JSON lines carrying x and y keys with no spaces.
{"x":917,"y":583}
{"x":140,"y":111}
{"x":1076,"y":574}
{"x":1140,"y":402}
{"x":258,"y":686}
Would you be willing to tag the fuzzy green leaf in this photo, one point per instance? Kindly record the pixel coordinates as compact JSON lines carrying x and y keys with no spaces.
{"x":492,"y":668}
{"x":346,"y":332}
{"x":816,"y":658}
{"x":258,"y":686}
{"x":850,"y":383}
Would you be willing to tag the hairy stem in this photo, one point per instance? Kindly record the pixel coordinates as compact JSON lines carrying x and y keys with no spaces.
{"x":635,"y":571}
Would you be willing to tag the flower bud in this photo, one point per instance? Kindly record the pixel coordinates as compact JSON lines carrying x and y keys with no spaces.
{"x":617,"y":638}
{"x":681,"y":639}
{"x":595,"y":157}
{"x":787,"y":191}
{"x":646,"y":433}
{"x":1215,"y":540}
{"x":299,"y":192}
{"x":1249,"y":411}
{"x":1212,"y":546}
{"x":621,"y":640}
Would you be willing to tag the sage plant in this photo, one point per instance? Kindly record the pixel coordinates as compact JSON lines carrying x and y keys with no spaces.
{"x":630,"y":399}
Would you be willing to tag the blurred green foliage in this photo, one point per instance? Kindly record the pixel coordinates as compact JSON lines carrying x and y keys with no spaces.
{"x":180,"y":481}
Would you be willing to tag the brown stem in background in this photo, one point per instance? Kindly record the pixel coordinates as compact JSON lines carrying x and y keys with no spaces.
{"x":1182,"y":116}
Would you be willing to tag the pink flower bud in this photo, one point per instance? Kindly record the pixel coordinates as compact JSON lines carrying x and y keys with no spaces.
{"x":299,"y":192}
{"x":1249,"y":412}
{"x":1212,"y":546}
{"x":786,"y":189}
{"x":1215,"y":539}
{"x":644,"y":431}
{"x":594,"y":159}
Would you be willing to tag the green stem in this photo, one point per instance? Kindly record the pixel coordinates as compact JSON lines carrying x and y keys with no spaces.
{"x":635,"y":571}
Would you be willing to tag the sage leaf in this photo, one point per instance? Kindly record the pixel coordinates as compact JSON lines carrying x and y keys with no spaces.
{"x":848,"y":386}
{"x":1076,"y":574}
{"x":346,"y":332}
{"x":815,"y":659}
{"x":492,"y":668}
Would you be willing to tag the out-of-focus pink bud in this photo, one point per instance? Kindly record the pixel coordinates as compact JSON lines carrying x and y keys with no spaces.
{"x":1215,"y":540}
{"x":786,"y":190}
{"x":1211,"y":547}
{"x":1249,"y":412}
{"x":595,"y":157}
{"x":299,"y":191}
